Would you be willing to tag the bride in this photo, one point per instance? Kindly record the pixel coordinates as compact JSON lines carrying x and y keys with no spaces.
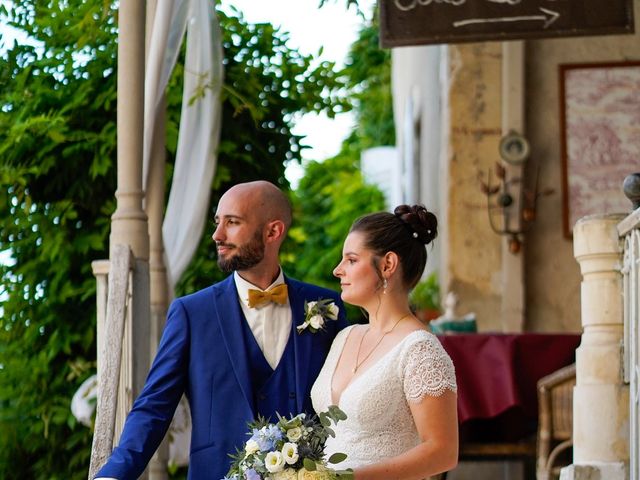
{"x":391,"y":377}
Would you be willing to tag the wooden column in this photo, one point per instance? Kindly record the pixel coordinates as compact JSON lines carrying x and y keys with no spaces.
{"x":129,"y":222}
{"x":100,"y":270}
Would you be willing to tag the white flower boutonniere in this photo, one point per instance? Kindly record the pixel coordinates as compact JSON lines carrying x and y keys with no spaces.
{"x":317,"y":313}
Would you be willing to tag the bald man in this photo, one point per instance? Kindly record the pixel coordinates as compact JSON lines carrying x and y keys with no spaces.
{"x":233,"y":347}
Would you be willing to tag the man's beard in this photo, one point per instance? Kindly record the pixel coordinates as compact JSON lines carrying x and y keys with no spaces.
{"x":249,"y":254}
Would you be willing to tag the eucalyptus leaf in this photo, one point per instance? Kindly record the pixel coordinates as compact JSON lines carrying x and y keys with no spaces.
{"x":324,"y":420}
{"x":337,"y":458}
{"x":309,"y":465}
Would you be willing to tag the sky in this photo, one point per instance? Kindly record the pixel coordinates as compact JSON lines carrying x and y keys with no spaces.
{"x":332,"y":27}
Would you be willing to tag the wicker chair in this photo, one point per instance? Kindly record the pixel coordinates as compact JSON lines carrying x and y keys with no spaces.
{"x":523,"y":450}
{"x":555,"y":422}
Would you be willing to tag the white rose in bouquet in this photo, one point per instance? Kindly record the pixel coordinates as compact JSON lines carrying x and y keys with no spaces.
{"x":274,"y":462}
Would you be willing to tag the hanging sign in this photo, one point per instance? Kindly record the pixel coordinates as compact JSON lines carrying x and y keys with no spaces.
{"x":418,"y":22}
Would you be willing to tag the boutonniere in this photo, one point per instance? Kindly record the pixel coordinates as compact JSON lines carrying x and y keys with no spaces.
{"x":317,"y":313}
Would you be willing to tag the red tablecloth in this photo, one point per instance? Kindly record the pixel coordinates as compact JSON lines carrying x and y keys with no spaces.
{"x":497,"y":376}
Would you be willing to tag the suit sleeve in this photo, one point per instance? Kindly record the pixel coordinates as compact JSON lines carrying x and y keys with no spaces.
{"x":153,"y":410}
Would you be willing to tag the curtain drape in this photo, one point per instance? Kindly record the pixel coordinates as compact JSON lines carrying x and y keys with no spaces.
{"x":200,"y":119}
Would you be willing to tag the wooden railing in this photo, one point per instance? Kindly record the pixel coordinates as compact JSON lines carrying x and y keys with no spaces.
{"x":121,"y":264}
{"x":629,"y":231}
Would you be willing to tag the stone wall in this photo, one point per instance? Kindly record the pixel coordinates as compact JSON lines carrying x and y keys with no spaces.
{"x":472,"y":260}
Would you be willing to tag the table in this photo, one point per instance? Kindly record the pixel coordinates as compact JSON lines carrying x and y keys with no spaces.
{"x":497,"y":377}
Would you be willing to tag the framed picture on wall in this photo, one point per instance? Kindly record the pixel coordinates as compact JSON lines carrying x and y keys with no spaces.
{"x":600,"y":136}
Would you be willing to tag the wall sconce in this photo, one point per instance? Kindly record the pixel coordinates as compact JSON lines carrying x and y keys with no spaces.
{"x":512,"y":207}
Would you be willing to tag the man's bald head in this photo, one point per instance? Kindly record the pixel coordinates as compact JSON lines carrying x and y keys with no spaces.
{"x":252,"y":220}
{"x":266,"y":200}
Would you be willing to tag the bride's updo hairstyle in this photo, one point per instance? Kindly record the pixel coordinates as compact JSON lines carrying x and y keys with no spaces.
{"x":406,"y":232}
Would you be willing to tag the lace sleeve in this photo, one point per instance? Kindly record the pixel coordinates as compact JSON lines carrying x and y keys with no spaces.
{"x":428,"y":370}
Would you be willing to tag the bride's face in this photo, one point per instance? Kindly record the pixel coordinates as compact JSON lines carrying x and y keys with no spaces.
{"x":358,"y":278}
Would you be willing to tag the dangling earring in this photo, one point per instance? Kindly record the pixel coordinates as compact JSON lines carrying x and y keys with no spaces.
{"x":384,"y":286}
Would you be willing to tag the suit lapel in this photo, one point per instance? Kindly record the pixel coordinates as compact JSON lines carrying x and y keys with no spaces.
{"x":229,"y":315}
{"x":302,"y":343}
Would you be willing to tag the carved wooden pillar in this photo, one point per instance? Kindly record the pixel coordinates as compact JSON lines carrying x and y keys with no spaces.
{"x":129,"y":221}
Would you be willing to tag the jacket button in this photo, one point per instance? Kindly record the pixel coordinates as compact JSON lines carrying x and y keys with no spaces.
{"x":292,"y":395}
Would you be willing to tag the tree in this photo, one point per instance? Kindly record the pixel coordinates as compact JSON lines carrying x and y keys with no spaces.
{"x":286,"y":81}
{"x":57,"y":175}
{"x":330,"y":197}
{"x":368,"y":77}
{"x":333,"y":193}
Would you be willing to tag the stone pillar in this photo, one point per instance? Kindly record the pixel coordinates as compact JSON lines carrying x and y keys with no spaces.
{"x":129,"y":221}
{"x":471,"y":251}
{"x":512,"y":302}
{"x":601,"y":398}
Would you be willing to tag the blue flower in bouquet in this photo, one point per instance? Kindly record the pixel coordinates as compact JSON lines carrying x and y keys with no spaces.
{"x":251,"y":474}
{"x":290,"y":448}
{"x":266,"y":437}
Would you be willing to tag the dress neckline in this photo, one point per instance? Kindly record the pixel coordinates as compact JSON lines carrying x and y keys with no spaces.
{"x":361,"y":373}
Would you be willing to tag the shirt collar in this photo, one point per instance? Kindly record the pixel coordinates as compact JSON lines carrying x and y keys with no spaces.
{"x":243,"y":286}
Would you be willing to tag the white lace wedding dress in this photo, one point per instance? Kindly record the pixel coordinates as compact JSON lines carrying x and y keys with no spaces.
{"x":379,"y":423}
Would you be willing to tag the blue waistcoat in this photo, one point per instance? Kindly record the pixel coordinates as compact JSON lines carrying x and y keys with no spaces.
{"x":273,"y":390}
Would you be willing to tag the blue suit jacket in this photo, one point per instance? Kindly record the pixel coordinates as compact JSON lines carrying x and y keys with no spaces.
{"x":202,"y":354}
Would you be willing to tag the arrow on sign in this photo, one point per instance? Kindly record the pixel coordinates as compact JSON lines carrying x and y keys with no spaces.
{"x":549,"y":16}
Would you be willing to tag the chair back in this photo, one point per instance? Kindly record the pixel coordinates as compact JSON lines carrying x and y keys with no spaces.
{"x":555,"y":420}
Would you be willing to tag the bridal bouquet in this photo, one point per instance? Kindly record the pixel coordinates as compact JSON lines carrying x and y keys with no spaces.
{"x":292,"y":449}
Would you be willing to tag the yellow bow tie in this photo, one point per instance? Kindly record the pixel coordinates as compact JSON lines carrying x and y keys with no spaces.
{"x":277,"y":294}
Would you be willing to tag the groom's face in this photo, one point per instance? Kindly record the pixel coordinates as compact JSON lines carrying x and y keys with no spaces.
{"x":241,"y":256}
{"x":239,"y":233}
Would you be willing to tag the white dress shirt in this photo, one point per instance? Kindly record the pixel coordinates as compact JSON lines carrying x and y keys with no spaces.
{"x":270,"y":323}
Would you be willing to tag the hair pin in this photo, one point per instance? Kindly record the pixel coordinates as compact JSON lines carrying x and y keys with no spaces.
{"x":415,"y":234}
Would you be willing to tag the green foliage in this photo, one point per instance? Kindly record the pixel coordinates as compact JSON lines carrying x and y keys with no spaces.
{"x":331,"y":195}
{"x":57,"y":183}
{"x":57,"y":139}
{"x":368,"y":72}
{"x":426,"y":294}
{"x":266,"y":83}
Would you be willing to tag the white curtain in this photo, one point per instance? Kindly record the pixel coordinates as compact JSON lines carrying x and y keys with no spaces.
{"x":198,"y":140}
{"x":200,"y":119}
